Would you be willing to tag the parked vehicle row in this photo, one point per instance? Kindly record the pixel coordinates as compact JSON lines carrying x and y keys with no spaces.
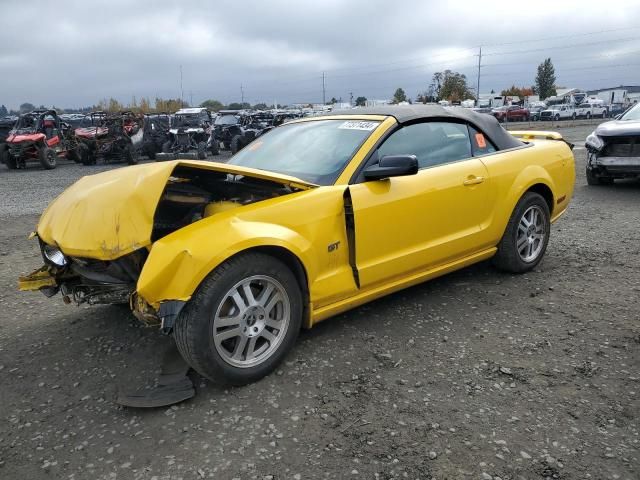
{"x":43,"y":135}
{"x":564,"y":111}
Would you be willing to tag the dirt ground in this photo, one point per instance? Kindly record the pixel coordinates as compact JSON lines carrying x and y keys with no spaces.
{"x":477,"y":375}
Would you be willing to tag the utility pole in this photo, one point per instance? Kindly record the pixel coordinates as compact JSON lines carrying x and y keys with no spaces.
{"x":181,"y":90}
{"x":478,"y":87}
{"x":324,"y":99}
{"x":241,"y":94}
{"x":190,"y":98}
{"x":351,"y":99}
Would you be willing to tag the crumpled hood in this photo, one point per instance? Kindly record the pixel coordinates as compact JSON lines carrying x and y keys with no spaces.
{"x":616,"y":128}
{"x":110,"y":214}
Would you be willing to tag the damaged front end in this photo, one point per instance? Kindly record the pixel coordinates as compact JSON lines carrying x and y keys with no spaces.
{"x":96,"y":237}
{"x":613,"y":151}
{"x":85,"y":280}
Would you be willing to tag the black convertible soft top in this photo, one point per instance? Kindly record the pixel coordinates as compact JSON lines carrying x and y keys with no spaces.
{"x":412,"y":113}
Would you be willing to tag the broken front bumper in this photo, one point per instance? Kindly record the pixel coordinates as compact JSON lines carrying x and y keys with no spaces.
{"x":621,"y":165}
{"x":37,"y":280}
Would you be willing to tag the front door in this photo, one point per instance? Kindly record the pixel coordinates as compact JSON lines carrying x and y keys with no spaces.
{"x":408,"y":224}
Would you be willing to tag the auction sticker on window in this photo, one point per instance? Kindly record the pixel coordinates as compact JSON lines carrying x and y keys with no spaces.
{"x":358,"y":125}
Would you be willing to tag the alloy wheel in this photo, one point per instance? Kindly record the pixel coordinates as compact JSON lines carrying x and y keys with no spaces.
{"x":251,"y":321}
{"x":531,"y":234}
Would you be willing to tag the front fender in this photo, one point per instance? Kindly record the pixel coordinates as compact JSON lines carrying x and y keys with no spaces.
{"x":178,"y":263}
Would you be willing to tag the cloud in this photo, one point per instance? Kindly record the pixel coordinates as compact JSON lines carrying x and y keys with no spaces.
{"x":76,"y":53}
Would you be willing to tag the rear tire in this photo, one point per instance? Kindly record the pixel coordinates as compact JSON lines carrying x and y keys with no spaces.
{"x":48,"y":158}
{"x":214,"y":330}
{"x":556,"y":118}
{"x":87,"y":157}
{"x":588,"y":115}
{"x":131,"y":154}
{"x":166,"y":147}
{"x":7,"y":159}
{"x":236,"y":144}
{"x":526,"y":237}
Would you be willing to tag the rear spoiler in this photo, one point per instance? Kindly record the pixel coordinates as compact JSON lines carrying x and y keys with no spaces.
{"x":542,"y":135}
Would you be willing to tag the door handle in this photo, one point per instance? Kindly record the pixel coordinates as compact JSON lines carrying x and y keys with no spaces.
{"x":472,"y":180}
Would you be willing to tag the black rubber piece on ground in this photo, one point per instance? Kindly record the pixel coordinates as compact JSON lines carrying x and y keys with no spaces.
{"x":173,"y":386}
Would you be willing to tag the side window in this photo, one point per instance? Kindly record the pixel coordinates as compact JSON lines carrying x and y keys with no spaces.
{"x":433,"y":143}
{"x":480,"y":144}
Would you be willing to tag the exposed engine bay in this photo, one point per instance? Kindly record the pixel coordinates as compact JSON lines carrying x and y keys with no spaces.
{"x":193,"y":194}
{"x":190,"y":195}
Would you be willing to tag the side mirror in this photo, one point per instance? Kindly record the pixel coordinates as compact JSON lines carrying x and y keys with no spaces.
{"x":392,"y":166}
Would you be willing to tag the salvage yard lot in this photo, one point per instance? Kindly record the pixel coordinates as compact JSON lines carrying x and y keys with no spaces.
{"x":474,"y":375}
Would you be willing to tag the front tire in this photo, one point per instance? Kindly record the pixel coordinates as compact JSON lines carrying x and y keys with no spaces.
{"x":202,"y":150}
{"x":525,"y":239}
{"x":48,"y":158}
{"x":236,"y":144}
{"x":594,"y":179}
{"x":242,"y":321}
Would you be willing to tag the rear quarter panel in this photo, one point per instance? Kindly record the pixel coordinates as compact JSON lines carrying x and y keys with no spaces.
{"x":513,"y":172}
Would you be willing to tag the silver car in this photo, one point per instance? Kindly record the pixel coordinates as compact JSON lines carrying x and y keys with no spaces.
{"x":613,"y":149}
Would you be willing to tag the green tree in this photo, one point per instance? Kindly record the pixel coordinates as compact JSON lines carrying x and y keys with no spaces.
{"x":260,"y":106}
{"x":333,"y":101}
{"x":452,"y":86}
{"x":212,"y":105}
{"x":361,"y":101}
{"x":546,"y":79}
{"x":3,"y":111}
{"x":399,"y":96}
{"x":27,"y":107}
{"x":238,"y":106}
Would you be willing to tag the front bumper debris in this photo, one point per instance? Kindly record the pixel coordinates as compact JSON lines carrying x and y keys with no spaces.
{"x":37,"y":280}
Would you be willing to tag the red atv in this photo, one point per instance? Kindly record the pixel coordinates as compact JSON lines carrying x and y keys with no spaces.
{"x":39,"y":135}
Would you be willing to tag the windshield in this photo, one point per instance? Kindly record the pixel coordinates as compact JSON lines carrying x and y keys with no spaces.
{"x":633,"y":114}
{"x":193,"y":120}
{"x":226,"y":120}
{"x":315,"y":151}
{"x":26,"y":123}
{"x":91,"y":121}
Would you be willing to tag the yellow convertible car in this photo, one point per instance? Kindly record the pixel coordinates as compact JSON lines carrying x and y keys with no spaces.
{"x":316,"y":217}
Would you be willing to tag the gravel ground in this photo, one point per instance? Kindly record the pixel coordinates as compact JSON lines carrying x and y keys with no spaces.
{"x":477,"y":375}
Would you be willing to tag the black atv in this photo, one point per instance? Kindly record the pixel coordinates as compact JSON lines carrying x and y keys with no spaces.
{"x":111,"y":137}
{"x":226,"y":126}
{"x":252,"y":125}
{"x":156,"y":133}
{"x":190,"y":136}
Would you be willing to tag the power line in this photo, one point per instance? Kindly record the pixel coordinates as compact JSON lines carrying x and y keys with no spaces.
{"x":560,"y":36}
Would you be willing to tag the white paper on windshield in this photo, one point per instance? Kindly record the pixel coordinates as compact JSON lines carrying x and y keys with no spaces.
{"x":359,"y":125}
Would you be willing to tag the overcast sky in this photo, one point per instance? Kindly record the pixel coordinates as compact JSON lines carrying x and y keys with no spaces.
{"x":71,"y":54}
